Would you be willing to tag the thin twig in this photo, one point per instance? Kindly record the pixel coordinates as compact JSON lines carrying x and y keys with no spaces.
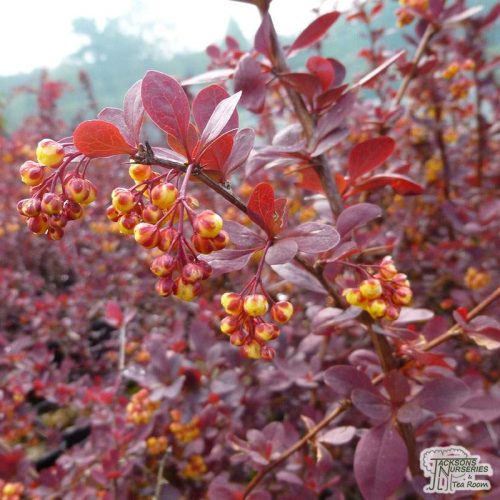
{"x":422,"y":46}
{"x":160,"y":480}
{"x":307,"y":121}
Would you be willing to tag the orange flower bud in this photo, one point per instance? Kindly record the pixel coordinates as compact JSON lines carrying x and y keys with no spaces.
{"x":152,"y":214}
{"x":29,"y":207}
{"x":49,"y":153}
{"x":255,"y":304}
{"x":51,"y":204}
{"x":122,"y":200}
{"x":266,"y":331}
{"x":221,"y":240}
{"x":31,"y":173}
{"x":139,"y":172}
{"x":186,"y":291}
{"x":127,"y":223}
{"x":229,"y":325}
{"x":232,"y":303}
{"x":164,"y":195}
{"x":371,"y":288}
{"x":112,"y":214}
{"x":163,"y":265}
{"x":281,"y":312}
{"x":166,"y":237}
{"x":192,"y":273}
{"x":377,"y":308}
{"x":252,"y":350}
{"x":38,"y":224}
{"x":164,"y":287}
{"x":146,"y":234}
{"x":208,"y":224}
{"x":402,"y":296}
{"x":77,"y":189}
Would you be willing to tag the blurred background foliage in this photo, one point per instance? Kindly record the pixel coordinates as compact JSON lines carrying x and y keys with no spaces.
{"x":113,"y":58}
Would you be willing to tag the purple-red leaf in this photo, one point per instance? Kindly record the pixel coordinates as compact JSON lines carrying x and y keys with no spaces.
{"x":229,"y":260}
{"x":166,"y":103}
{"x":299,"y":277}
{"x":313,"y":33}
{"x":380,"y":462}
{"x":313,"y":237}
{"x":356,"y":216}
{"x":339,"y":435}
{"x":99,"y":139}
{"x":396,"y":384}
{"x":252,"y":83}
{"x":378,"y":70}
{"x":368,"y":155}
{"x":205,"y":103}
{"x":242,"y":147}
{"x":242,"y":236}
{"x":372,"y":404}
{"x":443,"y":395}
{"x":221,"y":116}
{"x":343,"y":379}
{"x":133,"y":110}
{"x":336,"y":115}
{"x":281,"y":252}
{"x":262,"y":41}
{"x":215,"y":75}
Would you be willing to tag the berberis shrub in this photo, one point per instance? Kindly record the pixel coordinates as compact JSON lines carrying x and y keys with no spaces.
{"x":292,"y":310}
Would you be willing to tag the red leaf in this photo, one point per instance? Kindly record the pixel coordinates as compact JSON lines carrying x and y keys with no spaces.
{"x":222,"y":114}
{"x":309,"y":179}
{"x":322,"y":68}
{"x":166,"y":103}
{"x":205,"y":103}
{"x":304,"y":83}
{"x":400,"y":184}
{"x":216,"y":154}
{"x":380,"y":462}
{"x":368,"y":155}
{"x":113,"y":314}
{"x":313,"y":33}
{"x":329,"y":97}
{"x":117,"y":118}
{"x":99,"y":139}
{"x":261,"y":206}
